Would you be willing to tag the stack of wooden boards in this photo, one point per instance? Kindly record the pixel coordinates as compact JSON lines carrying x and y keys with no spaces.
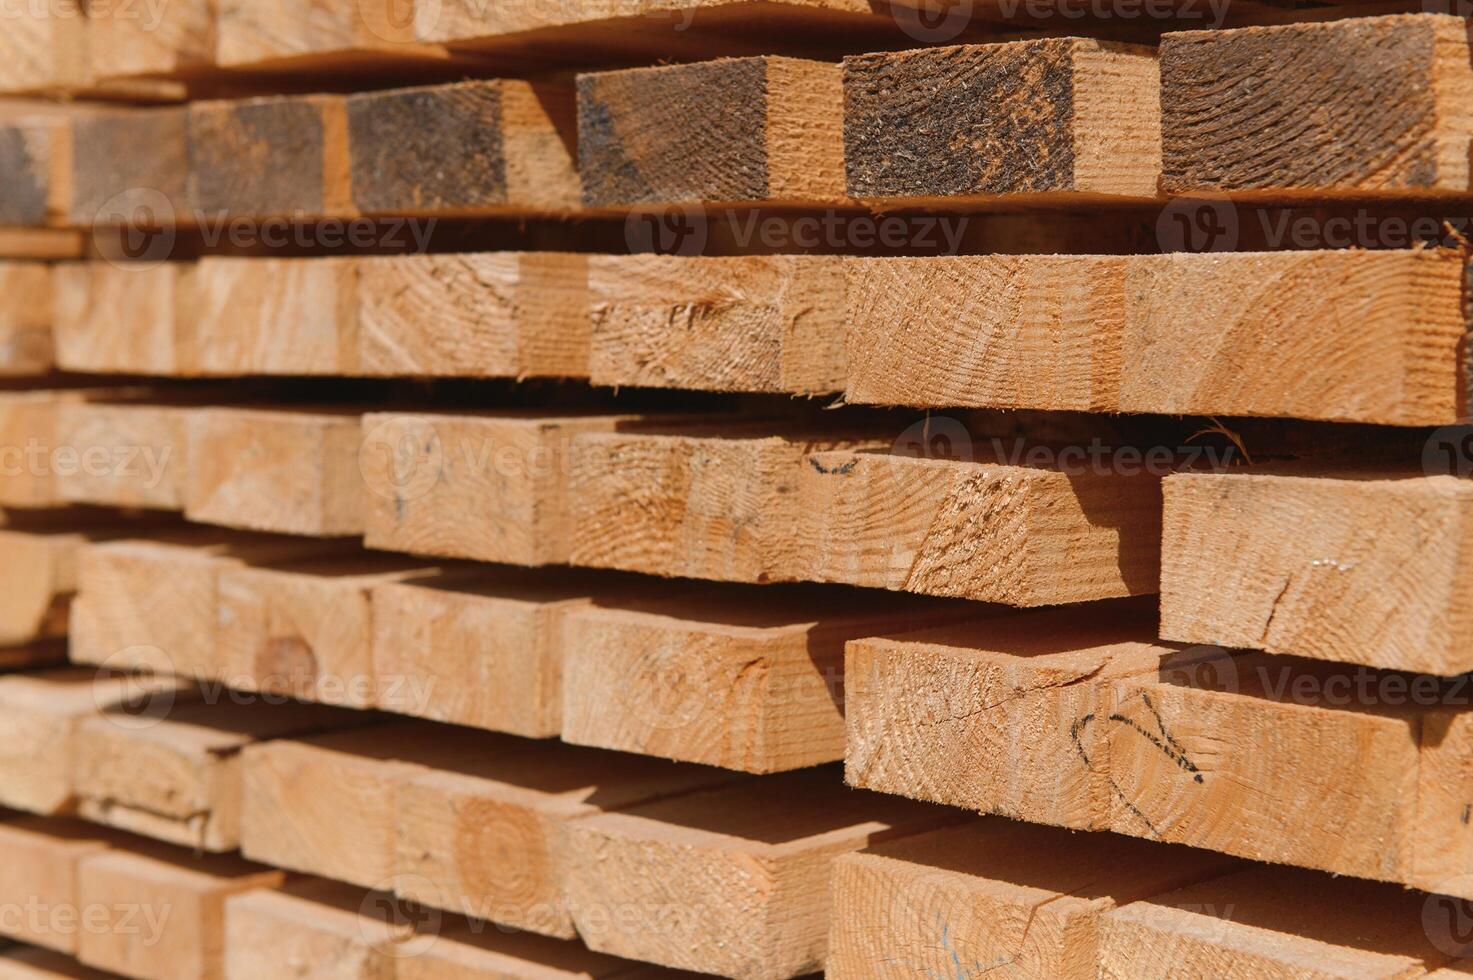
{"x":480,"y":503}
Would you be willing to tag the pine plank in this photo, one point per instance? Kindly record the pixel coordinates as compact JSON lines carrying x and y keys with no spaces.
{"x":44,"y":48}
{"x":1391,"y":97}
{"x":994,"y":895}
{"x":280,"y":470}
{"x":38,"y":873}
{"x":38,"y":578}
{"x":1355,"y":566}
{"x":320,"y":929}
{"x":26,"y":345}
{"x":751,"y":680}
{"x":132,"y":453}
{"x":739,"y":130}
{"x":1059,"y":119}
{"x":274,"y":316}
{"x":770,"y":323}
{"x":36,"y":156}
{"x":119,"y":317}
{"x":29,"y":423}
{"x":128,"y":40}
{"x":734,"y":880}
{"x":129,"y":167}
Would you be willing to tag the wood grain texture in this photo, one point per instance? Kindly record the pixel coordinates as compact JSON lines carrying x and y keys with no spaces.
{"x":126,"y":40}
{"x":770,"y":323}
{"x":26,"y":343}
{"x":123,"y":318}
{"x":1332,"y":335}
{"x":296,"y":316}
{"x":1391,"y":97}
{"x":36,"y":157}
{"x":733,"y":880}
{"x":38,"y":863}
{"x":163,"y":910}
{"x":479,"y":147}
{"x":1360,"y":568}
{"x":129,"y":167}
{"x":29,"y":428}
{"x":750,"y":680}
{"x":490,"y":314}
{"x":1066,"y":117}
{"x":131,"y":454}
{"x":317,"y":928}
{"x":730,"y":131}
{"x":44,"y":48}
{"x":292,"y":472}
{"x":272,"y":33}
{"x":1270,"y":922}
{"x":270,"y":157}
{"x":488,"y":487}
{"x":304,"y":630}
{"x":37,"y":582}
{"x":179,"y":780}
{"x":997,"y":895}
{"x":993,"y":531}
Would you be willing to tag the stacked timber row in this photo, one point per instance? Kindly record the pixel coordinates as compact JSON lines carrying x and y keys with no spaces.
{"x":740,"y":488}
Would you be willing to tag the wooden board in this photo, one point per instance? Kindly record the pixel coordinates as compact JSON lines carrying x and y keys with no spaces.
{"x":274,"y":316}
{"x":1095,"y":726}
{"x":132,"y":454}
{"x":488,"y":314}
{"x":270,"y":157}
{"x":994,"y":895}
{"x":1352,"y":566}
{"x":26,"y":346}
{"x":740,"y":130}
{"x":252,"y":33}
{"x":480,"y":951}
{"x":29,"y":446}
{"x":488,"y":487}
{"x":129,"y":167}
{"x":395,"y":808}
{"x":304,"y":630}
{"x":119,"y":317}
{"x":32,"y":963}
{"x":745,"y":679}
{"x":38,"y":578}
{"x":281,"y":470}
{"x":38,"y":873}
{"x":1271,"y":922}
{"x":126,"y":41}
{"x":44,"y":48}
{"x":1391,"y":98}
{"x":36,"y":156}
{"x":179,"y":780}
{"x":162,"y":911}
{"x":41,"y":716}
{"x":154,"y":603}
{"x":771,"y":323}
{"x":479,"y":147}
{"x":1334,"y":335}
{"x":1062,"y":119}
{"x":733,"y":881}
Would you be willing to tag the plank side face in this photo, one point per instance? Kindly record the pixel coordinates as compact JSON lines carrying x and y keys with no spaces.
{"x":126,"y":41}
{"x":1026,"y":117}
{"x":757,"y":323}
{"x":130,"y":166}
{"x":28,"y":425}
{"x":114,"y":318}
{"x":30,"y":151}
{"x":1362,"y":571}
{"x":330,"y":926}
{"x":269,"y":157}
{"x":289,"y":472}
{"x":296,"y":316}
{"x":44,"y":47}
{"x":38,"y":863}
{"x":954,"y":528}
{"x":1353,"y":336}
{"x":1393,"y":93}
{"x":141,"y":450}
{"x":26,"y":345}
{"x":488,"y":315}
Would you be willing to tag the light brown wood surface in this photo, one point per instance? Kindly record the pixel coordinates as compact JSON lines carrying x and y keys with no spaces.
{"x":115,"y":317}
{"x":26,"y":343}
{"x":38,"y":873}
{"x":28,"y":441}
{"x":36,"y":153}
{"x":127,"y":40}
{"x":274,"y":316}
{"x":132,"y":453}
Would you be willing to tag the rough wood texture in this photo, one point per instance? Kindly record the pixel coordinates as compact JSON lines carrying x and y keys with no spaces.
{"x":480,"y":147}
{"x":1271,"y":922}
{"x":39,"y":723}
{"x":1102,"y":729}
{"x":132,"y":454}
{"x":294,"y":472}
{"x":485,"y":833}
{"x":26,"y":346}
{"x":44,"y":48}
{"x":267,"y":33}
{"x":114,"y":317}
{"x":274,"y":316}
{"x":489,"y":487}
{"x":1357,"y":567}
{"x":154,"y":604}
{"x":734,"y":881}
{"x":38,"y":868}
{"x":1333,"y":335}
{"x":992,"y":531}
{"x":322,"y":929}
{"x":1065,"y":117}
{"x":29,"y":422}
{"x":751,"y":680}
{"x":496,"y":314}
{"x":1391,"y":112}
{"x":36,"y":159}
{"x":484,"y":650}
{"x":731,"y":131}
{"x":304,"y":630}
{"x":772,"y":323}
{"x":715,"y":502}
{"x":994,"y":895}
{"x":164,"y":911}
{"x":133,"y":39}
{"x":270,"y":157}
{"x":179,"y":780}
{"x":129,"y":167}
